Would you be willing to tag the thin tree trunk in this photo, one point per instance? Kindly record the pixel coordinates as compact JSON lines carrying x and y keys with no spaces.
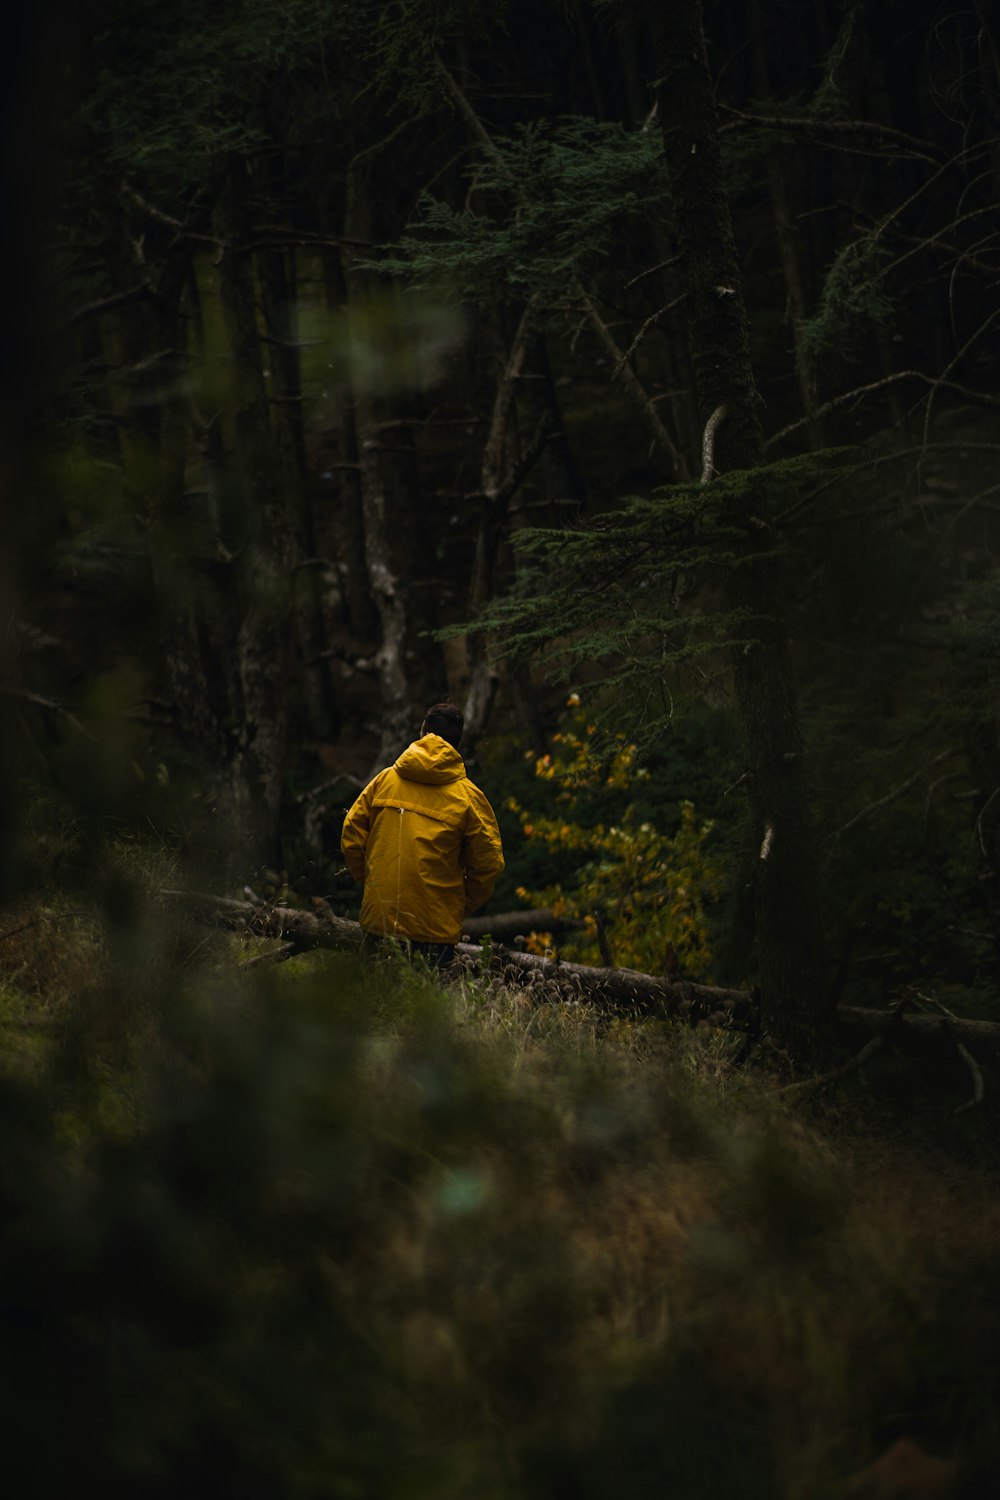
{"x":262,"y":639}
{"x":558,"y":474}
{"x":796,"y":307}
{"x":182,"y":529}
{"x":410,"y":664}
{"x":789,"y":943}
{"x":988,"y":49}
{"x":276,"y":275}
{"x":348,"y":521}
{"x":493,"y":507}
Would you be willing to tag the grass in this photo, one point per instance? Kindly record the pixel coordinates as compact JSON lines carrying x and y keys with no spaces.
{"x":322,"y":1229}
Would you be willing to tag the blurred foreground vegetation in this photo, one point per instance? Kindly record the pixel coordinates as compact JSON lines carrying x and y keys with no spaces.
{"x":317,"y":1229}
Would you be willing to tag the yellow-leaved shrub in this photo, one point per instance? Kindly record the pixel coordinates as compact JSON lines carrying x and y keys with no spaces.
{"x":648,"y":888}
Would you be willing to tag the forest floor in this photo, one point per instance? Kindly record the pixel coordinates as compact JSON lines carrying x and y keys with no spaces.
{"x":322,"y":1228}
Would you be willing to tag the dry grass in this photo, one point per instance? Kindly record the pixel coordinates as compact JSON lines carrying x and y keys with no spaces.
{"x":570,"y":1254}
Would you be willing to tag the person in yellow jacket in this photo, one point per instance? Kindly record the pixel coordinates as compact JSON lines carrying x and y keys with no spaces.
{"x":424,"y":841}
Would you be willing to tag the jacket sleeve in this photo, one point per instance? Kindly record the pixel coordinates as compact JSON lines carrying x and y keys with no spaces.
{"x":483,"y":854}
{"x":357,"y":827}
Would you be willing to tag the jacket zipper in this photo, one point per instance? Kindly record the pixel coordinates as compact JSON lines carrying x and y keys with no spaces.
{"x":399,"y":873}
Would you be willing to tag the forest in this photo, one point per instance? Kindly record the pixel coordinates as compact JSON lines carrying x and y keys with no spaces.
{"x":628,"y":374}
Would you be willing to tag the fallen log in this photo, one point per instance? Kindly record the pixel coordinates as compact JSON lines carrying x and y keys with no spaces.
{"x":641,"y":994}
{"x":511,"y":924}
{"x":930,"y":1036}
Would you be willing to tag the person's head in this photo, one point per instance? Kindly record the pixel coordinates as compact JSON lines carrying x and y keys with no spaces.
{"x":446,"y":720}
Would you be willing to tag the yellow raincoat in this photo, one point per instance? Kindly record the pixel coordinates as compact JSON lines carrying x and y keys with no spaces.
{"x":426,"y":844}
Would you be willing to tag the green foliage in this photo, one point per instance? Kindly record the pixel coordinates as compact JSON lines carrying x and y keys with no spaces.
{"x":648,"y":889}
{"x":170,"y":95}
{"x":412,"y":36}
{"x":550,"y":205}
{"x":617,"y":600}
{"x":855,"y":301}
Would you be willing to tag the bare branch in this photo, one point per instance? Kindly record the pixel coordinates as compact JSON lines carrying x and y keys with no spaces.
{"x":152,"y":210}
{"x":473,"y":121}
{"x":818,"y":125}
{"x":273,"y":955}
{"x":708,"y":444}
{"x":24,"y":927}
{"x":344,"y":783}
{"x":106,"y":304}
{"x":894,"y":456}
{"x":943,"y":382}
{"x":379,"y":145}
{"x":661,"y":437}
{"x":275,"y":236}
{"x":931,"y":1002}
{"x":918,"y":244}
{"x":653,"y":318}
{"x":979,"y":822}
{"x":519,"y":471}
{"x":738,"y":782}
{"x":50,"y":706}
{"x":880,"y":802}
{"x":978,"y":1087}
{"x":503,"y":404}
{"x":806,"y":1086}
{"x":173,"y":223}
{"x":979,"y":397}
{"x":660,"y":266}
{"x":931,"y":790}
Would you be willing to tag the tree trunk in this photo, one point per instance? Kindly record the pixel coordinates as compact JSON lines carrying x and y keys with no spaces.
{"x":410,"y":665}
{"x":796,"y":308}
{"x":182,"y":527}
{"x":988,"y":48}
{"x":262,"y":554}
{"x":497,"y":471}
{"x":276,"y":274}
{"x":526,"y":434}
{"x":348,"y":523}
{"x":795,"y":1005}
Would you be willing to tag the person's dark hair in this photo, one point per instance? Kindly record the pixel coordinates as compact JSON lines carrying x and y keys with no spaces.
{"x":446,"y":720}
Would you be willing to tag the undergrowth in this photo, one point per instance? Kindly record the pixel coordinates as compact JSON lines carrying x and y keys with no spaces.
{"x":327,"y":1229}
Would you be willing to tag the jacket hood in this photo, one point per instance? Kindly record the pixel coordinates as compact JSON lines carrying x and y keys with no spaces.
{"x":430,"y":760}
